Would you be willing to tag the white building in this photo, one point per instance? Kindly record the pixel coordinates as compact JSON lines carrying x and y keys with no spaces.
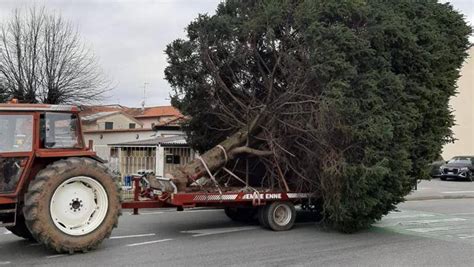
{"x":463,"y":107}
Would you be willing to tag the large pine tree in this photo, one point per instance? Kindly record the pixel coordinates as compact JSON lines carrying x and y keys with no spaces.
{"x":351,"y":97}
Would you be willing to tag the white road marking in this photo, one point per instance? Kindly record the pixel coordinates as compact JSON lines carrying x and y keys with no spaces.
{"x":464,"y":236}
{"x":7,"y":232}
{"x":148,"y":242}
{"x":214,"y":210}
{"x":402,"y":216}
{"x":174,"y":211}
{"x":150,"y":213}
{"x":215,"y":231}
{"x":5,"y":262}
{"x":464,"y":213}
{"x":131,"y":236}
{"x":457,"y":192}
{"x":432,"y":229}
{"x":439,"y":220}
{"x":34,"y":245}
{"x":55,"y":256}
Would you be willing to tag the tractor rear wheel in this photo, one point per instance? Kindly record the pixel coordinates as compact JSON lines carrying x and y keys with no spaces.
{"x":72,"y":205}
{"x":20,"y":228}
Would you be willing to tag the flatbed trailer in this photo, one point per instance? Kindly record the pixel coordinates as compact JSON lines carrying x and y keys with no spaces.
{"x":273,"y":209}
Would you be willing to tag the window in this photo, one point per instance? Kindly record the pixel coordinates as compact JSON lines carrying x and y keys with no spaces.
{"x":131,"y":125}
{"x":16,"y":133}
{"x":462,"y":160}
{"x":60,"y":130}
{"x":109,"y":125}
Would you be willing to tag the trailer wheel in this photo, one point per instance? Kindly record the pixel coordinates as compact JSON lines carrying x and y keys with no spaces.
{"x":240,"y":214}
{"x":20,"y":228}
{"x":72,"y":205}
{"x":280,"y":216}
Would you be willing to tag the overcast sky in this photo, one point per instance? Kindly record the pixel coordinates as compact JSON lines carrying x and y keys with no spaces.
{"x":129,"y":37}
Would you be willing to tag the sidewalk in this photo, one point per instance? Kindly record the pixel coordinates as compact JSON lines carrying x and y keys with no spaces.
{"x":437,"y":189}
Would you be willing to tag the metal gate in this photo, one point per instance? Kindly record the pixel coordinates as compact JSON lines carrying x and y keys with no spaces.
{"x":131,"y":160}
{"x":175,"y":157}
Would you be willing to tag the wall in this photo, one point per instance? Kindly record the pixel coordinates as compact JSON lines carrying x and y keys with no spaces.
{"x":120,"y":122}
{"x":463,"y":106}
{"x":89,"y":126}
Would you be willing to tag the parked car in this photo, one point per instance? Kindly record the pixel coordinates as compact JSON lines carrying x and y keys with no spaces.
{"x":459,"y":167}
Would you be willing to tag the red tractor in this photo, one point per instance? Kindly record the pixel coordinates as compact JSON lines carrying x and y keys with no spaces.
{"x":52,"y":188}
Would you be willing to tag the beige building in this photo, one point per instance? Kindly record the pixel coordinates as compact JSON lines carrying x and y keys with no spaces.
{"x":463,"y":106}
{"x":109,"y":121}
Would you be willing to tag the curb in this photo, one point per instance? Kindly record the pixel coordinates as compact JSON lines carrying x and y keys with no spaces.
{"x":420,"y":198}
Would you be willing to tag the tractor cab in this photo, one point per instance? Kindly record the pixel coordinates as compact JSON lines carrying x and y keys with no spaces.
{"x":26,"y":130}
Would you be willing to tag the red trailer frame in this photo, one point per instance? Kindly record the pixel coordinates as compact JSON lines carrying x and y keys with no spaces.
{"x":232,"y":198}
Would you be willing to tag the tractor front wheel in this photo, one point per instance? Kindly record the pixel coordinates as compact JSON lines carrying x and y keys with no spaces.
{"x":72,"y":205}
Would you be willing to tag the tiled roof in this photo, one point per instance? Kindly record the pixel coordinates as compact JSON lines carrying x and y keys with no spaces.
{"x":148,"y":112}
{"x":173,"y":121}
{"x":90,"y":110}
{"x":159,"y":112}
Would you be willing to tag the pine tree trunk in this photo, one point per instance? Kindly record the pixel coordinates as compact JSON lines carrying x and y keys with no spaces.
{"x":214,"y":158}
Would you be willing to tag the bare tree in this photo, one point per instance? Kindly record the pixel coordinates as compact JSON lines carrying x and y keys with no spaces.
{"x":42,"y":59}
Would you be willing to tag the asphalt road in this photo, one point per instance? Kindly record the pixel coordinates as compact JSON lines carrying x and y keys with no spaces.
{"x":437,"y":189}
{"x":429,"y":232}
